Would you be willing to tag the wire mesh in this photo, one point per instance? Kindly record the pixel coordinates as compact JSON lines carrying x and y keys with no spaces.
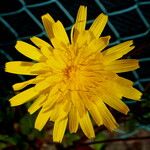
{"x":129,"y":19}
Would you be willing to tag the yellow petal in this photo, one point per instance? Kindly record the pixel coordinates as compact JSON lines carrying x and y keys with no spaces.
{"x":98,"y":45}
{"x":53,"y":96}
{"x":98,"y":25}
{"x":41,"y":86}
{"x":80,"y":23}
{"x":60,"y":57}
{"x":107,"y":117}
{"x":62,"y":112}
{"x":73,"y":120}
{"x":40,"y":68}
{"x":95,"y":114}
{"x":124,"y":82}
{"x":37,"y":104}
{"x":54,"y":64}
{"x":19,"y":67}
{"x":81,"y":19}
{"x":39,"y":42}
{"x":41,"y":119}
{"x":60,"y":33}
{"x":47,"y":52}
{"x":23,"y":97}
{"x":59,"y":129}
{"x":77,"y":102}
{"x":89,"y":46}
{"x":83,"y":38}
{"x":67,"y":104}
{"x":28,"y":50}
{"x":132,"y":93}
{"x":49,"y":81}
{"x":21,"y":85}
{"x":92,"y":108}
{"x":56,"y":43}
{"x":54,"y":113}
{"x":47,"y":22}
{"x":72,"y":33}
{"x":61,"y":106}
{"x":123,"y":65}
{"x":109,"y":86}
{"x":129,"y":91}
{"x":117,"y":51}
{"x":114,"y":102}
{"x":86,"y":125}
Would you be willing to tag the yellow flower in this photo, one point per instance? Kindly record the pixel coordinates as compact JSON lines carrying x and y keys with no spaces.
{"x":75,"y":78}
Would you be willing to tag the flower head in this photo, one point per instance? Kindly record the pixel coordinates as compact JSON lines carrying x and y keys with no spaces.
{"x":74,"y":78}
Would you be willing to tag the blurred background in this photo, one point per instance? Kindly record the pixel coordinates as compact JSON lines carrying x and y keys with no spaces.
{"x":128,"y":19}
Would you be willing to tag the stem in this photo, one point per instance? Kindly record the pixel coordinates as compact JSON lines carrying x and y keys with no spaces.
{"x":116,"y":140}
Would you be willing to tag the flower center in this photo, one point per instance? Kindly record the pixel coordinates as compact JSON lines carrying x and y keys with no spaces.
{"x":70,"y":71}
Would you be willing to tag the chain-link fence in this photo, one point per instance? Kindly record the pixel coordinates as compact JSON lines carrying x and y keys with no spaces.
{"x":129,"y":19}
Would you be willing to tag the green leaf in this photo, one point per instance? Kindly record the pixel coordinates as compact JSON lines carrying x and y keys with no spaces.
{"x":26,"y":124}
{"x":99,"y":137}
{"x":8,"y":139}
{"x":70,"y":138}
{"x":36,"y":134}
{"x":2,"y":145}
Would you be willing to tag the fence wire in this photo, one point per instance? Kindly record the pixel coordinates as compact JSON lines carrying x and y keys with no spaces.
{"x":128,"y":19}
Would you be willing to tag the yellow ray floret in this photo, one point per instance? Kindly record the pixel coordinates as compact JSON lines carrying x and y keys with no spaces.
{"x":73,"y":80}
{"x":48,"y":22}
{"x":28,"y":50}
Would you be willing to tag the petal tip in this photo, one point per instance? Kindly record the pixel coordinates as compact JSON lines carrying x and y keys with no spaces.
{"x":45,"y":16}
{"x":103,"y":14}
{"x":12,"y":103}
{"x":82,"y":7}
{"x":18,"y":44}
